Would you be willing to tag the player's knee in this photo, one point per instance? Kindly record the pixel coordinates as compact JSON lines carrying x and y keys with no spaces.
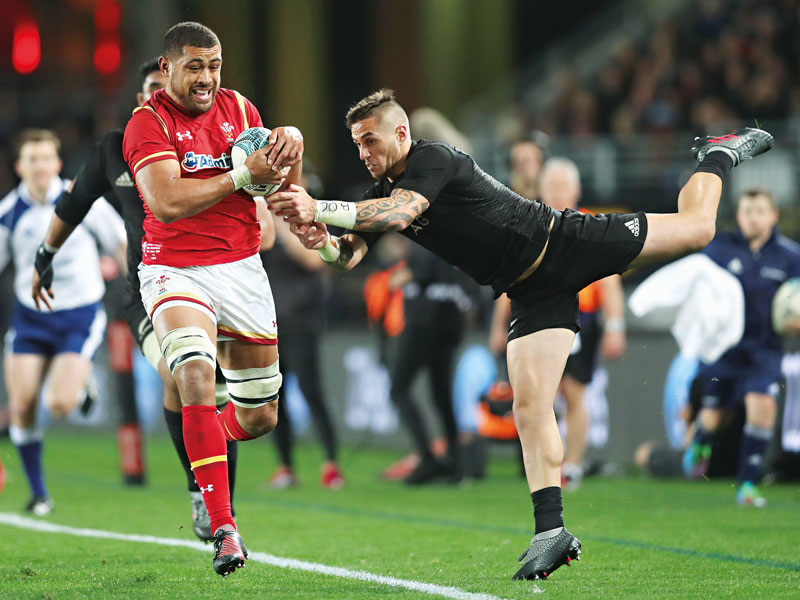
{"x":710,"y":418}
{"x":530,"y":408}
{"x":704,"y":231}
{"x":254,"y":387}
{"x":60,"y":405}
{"x":191,"y":357}
{"x":21,"y":412}
{"x":762,"y":410}
{"x":260,"y":421}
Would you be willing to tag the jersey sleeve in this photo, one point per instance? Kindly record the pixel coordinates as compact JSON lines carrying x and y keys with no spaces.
{"x":253,"y":116}
{"x":105,"y":225}
{"x":146,"y":140}
{"x":90,"y":183}
{"x":428,"y":170}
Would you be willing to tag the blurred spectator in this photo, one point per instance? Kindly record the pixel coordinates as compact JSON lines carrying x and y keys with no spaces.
{"x":56,"y":345}
{"x":429,"y":124}
{"x":722,"y":62}
{"x":300,"y":286}
{"x":750,"y":372}
{"x":435,"y":303}
{"x":526,"y":158}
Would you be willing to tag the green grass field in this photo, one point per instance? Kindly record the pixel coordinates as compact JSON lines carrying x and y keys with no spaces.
{"x":641,"y":538}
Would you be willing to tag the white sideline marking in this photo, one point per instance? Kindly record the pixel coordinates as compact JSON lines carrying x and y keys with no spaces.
{"x":262,"y":557}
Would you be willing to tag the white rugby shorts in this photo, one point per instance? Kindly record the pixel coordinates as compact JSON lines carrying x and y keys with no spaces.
{"x":236,"y":296}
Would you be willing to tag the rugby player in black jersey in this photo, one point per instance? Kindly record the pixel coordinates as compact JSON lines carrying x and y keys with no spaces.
{"x":438,"y":197}
{"x":107,"y":174}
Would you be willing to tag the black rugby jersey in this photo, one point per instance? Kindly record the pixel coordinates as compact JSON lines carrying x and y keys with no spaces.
{"x":106,"y":174}
{"x":474,"y":222}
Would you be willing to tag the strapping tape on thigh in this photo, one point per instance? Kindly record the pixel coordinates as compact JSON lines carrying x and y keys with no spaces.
{"x":185,"y":344}
{"x":251,"y":388}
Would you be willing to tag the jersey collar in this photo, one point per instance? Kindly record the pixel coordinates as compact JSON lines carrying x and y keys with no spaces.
{"x":54,"y":191}
{"x":743,"y":241}
{"x":165,"y":97}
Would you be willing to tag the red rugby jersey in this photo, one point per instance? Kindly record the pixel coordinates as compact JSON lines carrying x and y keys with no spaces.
{"x":162,"y":130}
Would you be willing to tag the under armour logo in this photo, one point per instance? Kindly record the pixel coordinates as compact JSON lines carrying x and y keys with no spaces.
{"x":185,"y":135}
{"x":633,"y":226}
{"x":210,"y":488}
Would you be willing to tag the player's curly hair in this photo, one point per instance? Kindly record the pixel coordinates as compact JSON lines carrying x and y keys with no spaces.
{"x":188,"y":33}
{"x":369,"y":105}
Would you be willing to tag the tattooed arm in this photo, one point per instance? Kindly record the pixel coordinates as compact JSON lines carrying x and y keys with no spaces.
{"x":394,"y":213}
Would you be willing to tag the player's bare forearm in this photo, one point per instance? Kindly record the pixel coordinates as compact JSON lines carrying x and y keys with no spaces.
{"x":293,"y":177}
{"x":58,"y":231}
{"x":171,"y":197}
{"x":394,"y":213}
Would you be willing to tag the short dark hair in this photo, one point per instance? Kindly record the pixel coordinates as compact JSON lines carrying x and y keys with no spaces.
{"x":146,"y":68}
{"x":369,"y":105}
{"x":188,"y":33}
{"x":28,"y":136}
{"x":753,"y":192}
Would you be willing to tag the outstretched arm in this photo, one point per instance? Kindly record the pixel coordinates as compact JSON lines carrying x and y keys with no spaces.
{"x":394,"y":213}
{"x":340,"y":253}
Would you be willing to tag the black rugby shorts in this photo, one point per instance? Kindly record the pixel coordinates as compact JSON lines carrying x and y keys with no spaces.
{"x":582,"y":364}
{"x":136,"y":317}
{"x":582,"y":248}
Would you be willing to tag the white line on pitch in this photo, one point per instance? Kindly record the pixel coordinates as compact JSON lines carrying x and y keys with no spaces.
{"x":262,"y":557}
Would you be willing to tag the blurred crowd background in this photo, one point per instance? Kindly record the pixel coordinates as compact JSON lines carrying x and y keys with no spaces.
{"x":620,"y":87}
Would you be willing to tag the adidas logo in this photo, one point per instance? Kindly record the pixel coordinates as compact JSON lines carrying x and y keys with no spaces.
{"x":124,"y":180}
{"x":633,"y":226}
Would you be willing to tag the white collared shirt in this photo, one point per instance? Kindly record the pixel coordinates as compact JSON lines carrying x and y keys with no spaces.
{"x":77,"y":279}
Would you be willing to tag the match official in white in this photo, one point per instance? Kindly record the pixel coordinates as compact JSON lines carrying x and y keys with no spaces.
{"x":59,"y":343}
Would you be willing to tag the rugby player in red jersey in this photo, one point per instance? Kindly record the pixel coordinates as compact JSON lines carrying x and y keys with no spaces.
{"x":202,"y":281}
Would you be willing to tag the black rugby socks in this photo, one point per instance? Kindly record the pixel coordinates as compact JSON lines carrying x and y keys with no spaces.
{"x":717,"y":162}
{"x":547,"y":509}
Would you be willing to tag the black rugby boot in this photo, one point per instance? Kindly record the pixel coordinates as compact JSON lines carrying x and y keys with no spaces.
{"x":742,"y":144}
{"x":545,"y":555}
{"x":229,"y":552}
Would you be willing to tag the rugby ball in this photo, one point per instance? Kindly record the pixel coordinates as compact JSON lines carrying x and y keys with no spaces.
{"x":248,"y":142}
{"x":786,"y":304}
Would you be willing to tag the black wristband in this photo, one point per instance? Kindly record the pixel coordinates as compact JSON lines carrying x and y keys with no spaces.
{"x":44,"y":266}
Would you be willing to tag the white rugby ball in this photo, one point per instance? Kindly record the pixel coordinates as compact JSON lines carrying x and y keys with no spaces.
{"x":786,"y":304}
{"x":248,"y":142}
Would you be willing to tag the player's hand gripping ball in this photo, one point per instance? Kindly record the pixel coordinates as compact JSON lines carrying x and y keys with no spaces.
{"x":248,"y":142}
